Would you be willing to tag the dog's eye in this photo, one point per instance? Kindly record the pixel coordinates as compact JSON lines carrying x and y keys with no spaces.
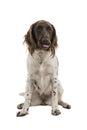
{"x":49,"y":29}
{"x":39,"y":28}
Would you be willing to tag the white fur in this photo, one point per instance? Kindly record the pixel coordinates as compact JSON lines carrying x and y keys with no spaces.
{"x":42,"y":84}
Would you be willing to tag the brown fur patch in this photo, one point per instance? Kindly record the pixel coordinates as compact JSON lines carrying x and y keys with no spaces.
{"x":30,"y":37}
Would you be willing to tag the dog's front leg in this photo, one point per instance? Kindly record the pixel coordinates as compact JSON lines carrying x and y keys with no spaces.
{"x":28,"y":94}
{"x":55,"y":109}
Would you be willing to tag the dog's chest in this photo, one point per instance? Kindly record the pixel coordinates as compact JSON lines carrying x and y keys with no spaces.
{"x":42,"y":75}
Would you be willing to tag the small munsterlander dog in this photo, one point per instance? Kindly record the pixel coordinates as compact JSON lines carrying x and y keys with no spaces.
{"x":42,"y":86}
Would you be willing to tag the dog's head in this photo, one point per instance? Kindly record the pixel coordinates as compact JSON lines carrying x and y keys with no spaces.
{"x":41,"y":35}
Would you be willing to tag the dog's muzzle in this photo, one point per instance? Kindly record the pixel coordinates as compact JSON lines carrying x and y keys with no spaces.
{"x":45,"y":43}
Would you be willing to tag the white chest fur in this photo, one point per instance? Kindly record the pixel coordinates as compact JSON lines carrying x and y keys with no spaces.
{"x":42,"y":75}
{"x":40,"y":70}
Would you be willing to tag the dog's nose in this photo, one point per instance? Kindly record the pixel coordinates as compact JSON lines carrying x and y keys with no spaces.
{"x":44,"y":41}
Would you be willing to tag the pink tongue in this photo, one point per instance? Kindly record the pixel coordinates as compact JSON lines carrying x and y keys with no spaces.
{"x":45,"y":46}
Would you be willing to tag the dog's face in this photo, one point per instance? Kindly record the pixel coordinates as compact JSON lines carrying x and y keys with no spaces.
{"x":41,"y":35}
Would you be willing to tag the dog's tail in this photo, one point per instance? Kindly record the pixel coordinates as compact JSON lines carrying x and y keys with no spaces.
{"x":22,"y":94}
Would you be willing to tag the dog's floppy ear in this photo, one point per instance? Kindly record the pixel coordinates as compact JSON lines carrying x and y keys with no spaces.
{"x":54,"y":41}
{"x":30,"y":40}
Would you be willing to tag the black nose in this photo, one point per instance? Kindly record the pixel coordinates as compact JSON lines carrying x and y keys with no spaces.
{"x":44,"y":41}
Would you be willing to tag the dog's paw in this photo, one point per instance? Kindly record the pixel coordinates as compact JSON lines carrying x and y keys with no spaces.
{"x":55,"y":112}
{"x":20,"y":106}
{"x":19,"y":114}
{"x":67,"y":106}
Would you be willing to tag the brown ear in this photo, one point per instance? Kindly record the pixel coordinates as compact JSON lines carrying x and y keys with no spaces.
{"x":29,"y":39}
{"x":54,"y":41}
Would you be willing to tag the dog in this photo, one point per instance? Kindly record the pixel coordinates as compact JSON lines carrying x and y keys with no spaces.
{"x":42,"y":85}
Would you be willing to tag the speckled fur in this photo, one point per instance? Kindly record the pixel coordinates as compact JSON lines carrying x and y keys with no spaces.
{"x":43,"y":86}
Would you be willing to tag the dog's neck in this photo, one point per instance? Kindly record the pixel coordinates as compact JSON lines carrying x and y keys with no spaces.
{"x":41,"y":56}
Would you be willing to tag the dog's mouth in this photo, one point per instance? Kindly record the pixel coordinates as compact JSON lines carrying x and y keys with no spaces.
{"x":45,"y":44}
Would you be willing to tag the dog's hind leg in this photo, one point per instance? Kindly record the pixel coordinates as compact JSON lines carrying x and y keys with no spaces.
{"x":60,"y":101}
{"x":64,"y":104}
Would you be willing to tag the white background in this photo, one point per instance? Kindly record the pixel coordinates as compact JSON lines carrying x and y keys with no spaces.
{"x":70,"y":20}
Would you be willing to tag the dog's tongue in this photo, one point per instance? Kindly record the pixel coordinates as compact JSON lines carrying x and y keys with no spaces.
{"x":46,"y":46}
